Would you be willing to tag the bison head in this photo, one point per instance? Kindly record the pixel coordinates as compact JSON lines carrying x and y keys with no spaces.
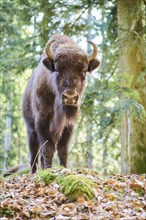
{"x":70,"y":65}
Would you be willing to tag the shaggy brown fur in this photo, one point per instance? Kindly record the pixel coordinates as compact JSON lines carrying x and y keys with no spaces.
{"x":52,"y":99}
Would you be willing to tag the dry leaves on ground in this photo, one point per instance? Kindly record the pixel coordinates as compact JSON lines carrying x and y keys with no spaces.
{"x":116,"y":197}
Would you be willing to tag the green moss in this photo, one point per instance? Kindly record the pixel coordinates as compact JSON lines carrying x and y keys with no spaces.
{"x":45,"y":175}
{"x":74,"y":186}
{"x":139,"y":164}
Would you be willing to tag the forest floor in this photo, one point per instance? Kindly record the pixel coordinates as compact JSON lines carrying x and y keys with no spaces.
{"x":65,"y":194}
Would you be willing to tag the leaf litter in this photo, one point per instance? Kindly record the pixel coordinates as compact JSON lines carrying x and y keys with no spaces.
{"x":115,"y":197}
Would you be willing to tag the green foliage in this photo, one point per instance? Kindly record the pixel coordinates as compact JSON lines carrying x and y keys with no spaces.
{"x":7,"y":212}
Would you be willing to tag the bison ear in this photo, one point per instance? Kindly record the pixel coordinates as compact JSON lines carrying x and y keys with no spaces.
{"x":48,"y":64}
{"x":93,"y":65}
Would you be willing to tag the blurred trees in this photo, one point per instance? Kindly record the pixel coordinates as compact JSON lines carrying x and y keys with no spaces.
{"x":26,"y":27}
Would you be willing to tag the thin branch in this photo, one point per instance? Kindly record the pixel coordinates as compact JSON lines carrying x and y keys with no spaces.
{"x":71,"y":25}
{"x":37,"y":155}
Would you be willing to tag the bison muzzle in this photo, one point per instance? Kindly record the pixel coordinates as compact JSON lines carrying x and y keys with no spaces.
{"x":52,"y":98}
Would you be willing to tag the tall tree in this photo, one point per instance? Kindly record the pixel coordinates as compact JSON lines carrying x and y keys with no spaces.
{"x":131,"y":64}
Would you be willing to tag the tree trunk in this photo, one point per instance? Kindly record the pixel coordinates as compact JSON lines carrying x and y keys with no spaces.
{"x":131,"y":63}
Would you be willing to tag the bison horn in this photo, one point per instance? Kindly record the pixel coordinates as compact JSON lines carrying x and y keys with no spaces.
{"x":48,"y":51}
{"x":95,"y":52}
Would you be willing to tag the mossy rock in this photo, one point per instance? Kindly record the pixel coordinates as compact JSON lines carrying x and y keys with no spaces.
{"x":74,"y":186}
{"x":45,"y":175}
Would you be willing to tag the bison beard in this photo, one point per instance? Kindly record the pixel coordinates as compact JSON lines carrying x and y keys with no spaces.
{"x":52,"y":98}
{"x":70,"y":111}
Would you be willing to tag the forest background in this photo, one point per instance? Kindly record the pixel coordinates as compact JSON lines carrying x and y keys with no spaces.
{"x":110,"y":135}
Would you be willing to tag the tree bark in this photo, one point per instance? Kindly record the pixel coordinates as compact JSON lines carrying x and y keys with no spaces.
{"x":131,"y":63}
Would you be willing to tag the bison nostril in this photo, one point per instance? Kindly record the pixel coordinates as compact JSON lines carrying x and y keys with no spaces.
{"x":75,"y":99}
{"x":64,"y":98}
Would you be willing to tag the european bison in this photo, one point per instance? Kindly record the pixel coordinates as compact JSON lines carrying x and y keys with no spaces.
{"x":52,"y":98}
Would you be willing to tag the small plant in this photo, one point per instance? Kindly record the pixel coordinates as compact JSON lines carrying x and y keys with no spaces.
{"x":139,"y":191}
{"x":6,"y":212}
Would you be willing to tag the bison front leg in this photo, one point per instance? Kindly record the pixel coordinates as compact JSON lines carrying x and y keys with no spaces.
{"x":47,"y":146}
{"x":62,"y":146}
{"x":47,"y":152}
{"x":33,"y":147}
